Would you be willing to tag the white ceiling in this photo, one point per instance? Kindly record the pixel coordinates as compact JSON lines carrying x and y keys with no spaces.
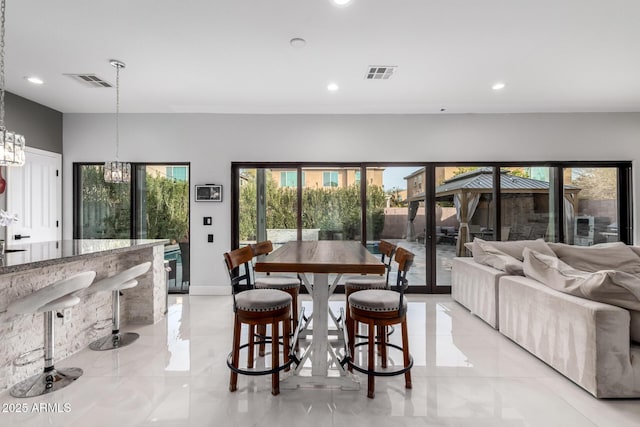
{"x":234,"y":56}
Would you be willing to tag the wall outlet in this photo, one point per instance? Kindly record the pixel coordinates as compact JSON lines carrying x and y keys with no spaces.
{"x":207,"y":220}
{"x":67,"y":316}
{"x":210,"y":238}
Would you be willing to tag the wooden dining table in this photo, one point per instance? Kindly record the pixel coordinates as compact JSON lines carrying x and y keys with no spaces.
{"x":321,"y":258}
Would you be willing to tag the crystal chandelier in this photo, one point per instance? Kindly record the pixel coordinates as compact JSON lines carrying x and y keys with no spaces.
{"x":11,"y":143}
{"x":116,"y":171}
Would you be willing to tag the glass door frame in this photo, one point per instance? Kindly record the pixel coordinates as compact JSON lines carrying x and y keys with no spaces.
{"x":625,"y":199}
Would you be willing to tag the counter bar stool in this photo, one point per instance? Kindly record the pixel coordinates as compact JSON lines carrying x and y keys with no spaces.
{"x":286,"y":283}
{"x":359,"y":283}
{"x":256,"y":307}
{"x":49,"y":300}
{"x":380,"y":308}
{"x":115,"y":284}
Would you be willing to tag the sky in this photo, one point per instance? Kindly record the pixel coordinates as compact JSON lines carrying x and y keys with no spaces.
{"x":394,"y":176}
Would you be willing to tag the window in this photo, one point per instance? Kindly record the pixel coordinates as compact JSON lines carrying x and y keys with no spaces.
{"x":591,"y":205}
{"x":330,"y":179}
{"x":179,"y":173}
{"x":289,"y":179}
{"x":154,"y":205}
{"x":357,"y":178}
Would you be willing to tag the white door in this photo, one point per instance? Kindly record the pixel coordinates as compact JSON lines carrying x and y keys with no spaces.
{"x":34,"y":193}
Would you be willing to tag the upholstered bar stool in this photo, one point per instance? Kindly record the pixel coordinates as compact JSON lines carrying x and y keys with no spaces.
{"x":115,"y":284}
{"x":49,"y":300}
{"x":287,"y":283}
{"x":381,"y":308}
{"x":359,"y":283}
{"x":256,"y":308}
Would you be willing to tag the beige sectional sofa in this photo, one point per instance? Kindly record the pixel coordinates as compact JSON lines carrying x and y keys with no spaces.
{"x":586,"y":341}
{"x":475,"y":286}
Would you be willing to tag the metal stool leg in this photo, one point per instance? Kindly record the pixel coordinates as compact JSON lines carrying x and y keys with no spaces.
{"x":116,"y":339}
{"x":51,"y":379}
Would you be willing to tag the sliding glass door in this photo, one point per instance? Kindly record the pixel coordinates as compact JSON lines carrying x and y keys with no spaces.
{"x":331,"y":204}
{"x":154,"y":205}
{"x":591,"y":208}
{"x":268,"y":205}
{"x":104,"y":209}
{"x":432,"y":209}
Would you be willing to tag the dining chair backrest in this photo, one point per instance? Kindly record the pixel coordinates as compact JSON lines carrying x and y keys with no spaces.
{"x":404,"y":259}
{"x":234,"y":260}
{"x":262,"y":248}
{"x":386,"y":250}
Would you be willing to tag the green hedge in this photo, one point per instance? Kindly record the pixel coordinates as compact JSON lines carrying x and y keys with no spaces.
{"x":332,"y":210}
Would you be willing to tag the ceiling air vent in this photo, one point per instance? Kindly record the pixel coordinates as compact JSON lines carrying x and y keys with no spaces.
{"x":90,"y":80}
{"x":380,"y":72}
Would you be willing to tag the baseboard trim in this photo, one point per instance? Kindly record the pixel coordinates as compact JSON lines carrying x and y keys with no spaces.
{"x":209,"y":290}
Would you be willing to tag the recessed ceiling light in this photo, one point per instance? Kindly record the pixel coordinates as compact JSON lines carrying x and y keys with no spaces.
{"x":341,"y":2}
{"x":297,"y":42}
{"x":332,"y":87}
{"x":35,"y":80}
{"x":498,"y":86}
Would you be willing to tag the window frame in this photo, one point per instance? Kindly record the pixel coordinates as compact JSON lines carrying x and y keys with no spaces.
{"x":625,"y":196}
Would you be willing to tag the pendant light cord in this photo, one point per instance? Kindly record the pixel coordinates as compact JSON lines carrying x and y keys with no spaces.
{"x":117,"y":112}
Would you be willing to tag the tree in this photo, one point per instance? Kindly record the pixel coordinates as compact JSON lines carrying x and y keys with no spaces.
{"x":167,"y":208}
{"x":106,"y":207}
{"x":597,"y":183}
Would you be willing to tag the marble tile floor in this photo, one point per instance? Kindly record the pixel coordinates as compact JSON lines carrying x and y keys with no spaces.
{"x":465,"y":374}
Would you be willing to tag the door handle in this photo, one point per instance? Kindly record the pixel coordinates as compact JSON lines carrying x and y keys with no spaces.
{"x":19,"y":236}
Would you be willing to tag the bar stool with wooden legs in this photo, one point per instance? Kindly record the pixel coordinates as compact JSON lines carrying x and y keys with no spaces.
{"x":368,"y":281}
{"x":381,"y":308}
{"x":256,"y":307}
{"x":287,"y":283}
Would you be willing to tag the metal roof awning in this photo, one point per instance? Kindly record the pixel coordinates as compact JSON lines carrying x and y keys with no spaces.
{"x":481,"y":181}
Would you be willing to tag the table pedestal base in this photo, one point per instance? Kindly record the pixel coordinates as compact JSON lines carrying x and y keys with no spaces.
{"x":320,"y":351}
{"x":347,"y":382}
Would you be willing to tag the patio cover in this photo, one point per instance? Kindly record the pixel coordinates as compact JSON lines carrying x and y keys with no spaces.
{"x":465,"y":191}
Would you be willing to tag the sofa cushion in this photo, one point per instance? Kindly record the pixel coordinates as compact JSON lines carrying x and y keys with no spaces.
{"x":487,"y":254}
{"x":635,"y":325}
{"x":607,"y":286}
{"x":515,"y":248}
{"x":604,"y":256}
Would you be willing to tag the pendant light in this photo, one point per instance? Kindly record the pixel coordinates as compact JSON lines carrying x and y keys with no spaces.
{"x":117,"y":172}
{"x":11,"y":144}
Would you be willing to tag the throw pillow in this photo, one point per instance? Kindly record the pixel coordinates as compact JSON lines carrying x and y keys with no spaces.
{"x":515,"y":248}
{"x":607,"y":286}
{"x":604,"y":256}
{"x":469,"y":246}
{"x":486,"y":254}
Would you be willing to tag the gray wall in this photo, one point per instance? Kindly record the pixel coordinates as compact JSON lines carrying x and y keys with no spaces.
{"x":212,"y":141}
{"x":40,"y":125}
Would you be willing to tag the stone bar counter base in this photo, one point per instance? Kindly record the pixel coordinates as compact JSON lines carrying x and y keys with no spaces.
{"x":143,"y":304}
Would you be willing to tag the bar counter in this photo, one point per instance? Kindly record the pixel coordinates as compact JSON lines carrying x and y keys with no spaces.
{"x":26,"y":268}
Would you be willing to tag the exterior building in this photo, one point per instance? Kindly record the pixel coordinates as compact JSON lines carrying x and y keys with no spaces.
{"x":178,"y":173}
{"x":416,"y":181}
{"x":326,"y":178}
